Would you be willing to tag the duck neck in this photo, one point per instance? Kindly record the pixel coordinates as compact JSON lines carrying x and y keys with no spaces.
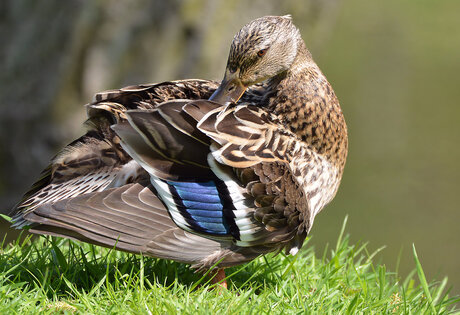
{"x":303,"y":100}
{"x":302,"y":61}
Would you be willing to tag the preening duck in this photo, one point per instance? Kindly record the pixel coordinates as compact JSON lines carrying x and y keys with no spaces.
{"x":198,"y":172}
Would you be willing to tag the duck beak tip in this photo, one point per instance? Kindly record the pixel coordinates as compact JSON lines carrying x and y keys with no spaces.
{"x":229,"y":91}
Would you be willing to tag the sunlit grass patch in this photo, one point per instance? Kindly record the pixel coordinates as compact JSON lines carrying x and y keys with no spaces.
{"x":53,"y":275}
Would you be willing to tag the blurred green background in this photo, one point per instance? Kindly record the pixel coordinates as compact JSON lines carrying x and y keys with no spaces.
{"x":394,"y":65}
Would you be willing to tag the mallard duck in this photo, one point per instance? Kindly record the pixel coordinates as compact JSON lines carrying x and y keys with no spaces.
{"x":201,"y":173}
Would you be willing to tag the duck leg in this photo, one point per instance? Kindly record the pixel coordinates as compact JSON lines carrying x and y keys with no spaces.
{"x":219,"y":277}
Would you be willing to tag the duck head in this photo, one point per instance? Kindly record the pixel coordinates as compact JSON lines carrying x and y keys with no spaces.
{"x":262,"y":49}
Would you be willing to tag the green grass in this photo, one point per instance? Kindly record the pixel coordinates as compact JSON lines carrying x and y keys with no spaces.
{"x":50,"y":275}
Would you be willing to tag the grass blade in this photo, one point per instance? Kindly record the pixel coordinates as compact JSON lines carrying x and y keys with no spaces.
{"x":423,"y":282}
{"x":342,"y":231}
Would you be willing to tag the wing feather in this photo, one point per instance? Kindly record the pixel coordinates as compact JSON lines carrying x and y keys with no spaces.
{"x":246,"y":136}
{"x":141,"y":225}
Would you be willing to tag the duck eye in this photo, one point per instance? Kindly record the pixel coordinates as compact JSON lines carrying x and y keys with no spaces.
{"x":262,"y":52}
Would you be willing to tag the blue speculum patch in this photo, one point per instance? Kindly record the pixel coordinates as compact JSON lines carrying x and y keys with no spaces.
{"x":202,"y":205}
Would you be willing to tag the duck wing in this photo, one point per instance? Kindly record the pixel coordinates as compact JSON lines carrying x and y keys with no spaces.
{"x":192,"y":209}
{"x":130,"y":218}
{"x":248,"y":137}
{"x":96,"y":161}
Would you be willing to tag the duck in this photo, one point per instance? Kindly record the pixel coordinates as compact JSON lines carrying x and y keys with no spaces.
{"x":204,"y":173}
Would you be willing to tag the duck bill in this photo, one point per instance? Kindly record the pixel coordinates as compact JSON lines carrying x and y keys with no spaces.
{"x":229,"y":91}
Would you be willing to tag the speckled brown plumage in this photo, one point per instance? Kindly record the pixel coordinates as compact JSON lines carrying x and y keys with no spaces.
{"x":314,"y":116}
{"x":93,"y":161}
{"x":166,"y":172}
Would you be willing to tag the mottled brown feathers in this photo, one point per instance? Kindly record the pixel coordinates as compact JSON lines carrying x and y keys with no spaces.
{"x":93,"y":161}
{"x":307,"y":106}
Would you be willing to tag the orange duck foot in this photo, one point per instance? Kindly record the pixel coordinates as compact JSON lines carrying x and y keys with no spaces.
{"x":218,"y":277}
